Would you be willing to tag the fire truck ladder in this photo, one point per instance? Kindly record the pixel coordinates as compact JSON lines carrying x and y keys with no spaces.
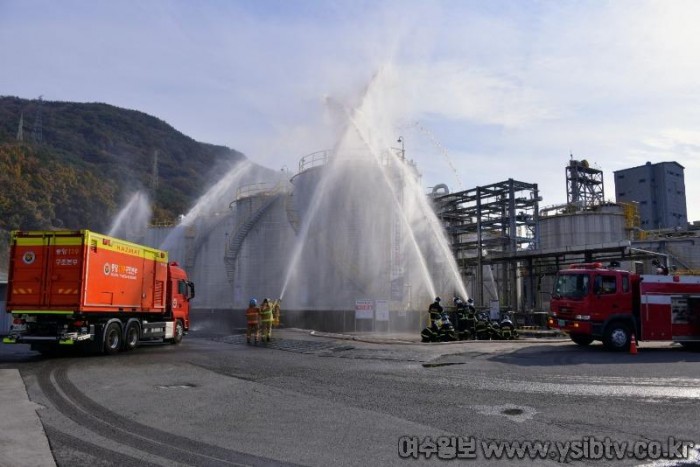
{"x":236,"y":242}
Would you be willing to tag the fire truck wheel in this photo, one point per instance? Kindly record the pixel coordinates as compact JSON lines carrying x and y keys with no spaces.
{"x":617,"y":337}
{"x":132,"y":336}
{"x":113,"y":339}
{"x":581,"y":339}
{"x":179,"y":332}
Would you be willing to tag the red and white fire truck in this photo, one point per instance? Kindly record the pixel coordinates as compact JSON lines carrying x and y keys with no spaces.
{"x":591,"y":302}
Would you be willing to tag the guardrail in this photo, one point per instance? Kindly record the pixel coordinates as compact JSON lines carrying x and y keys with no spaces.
{"x":314,"y":159}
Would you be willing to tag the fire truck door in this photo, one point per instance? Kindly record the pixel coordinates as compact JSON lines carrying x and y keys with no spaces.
{"x":607,"y":295}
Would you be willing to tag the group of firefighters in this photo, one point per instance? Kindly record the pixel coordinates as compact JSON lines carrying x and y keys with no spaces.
{"x":469,"y":323}
{"x":261,"y":318}
{"x":465,"y":323}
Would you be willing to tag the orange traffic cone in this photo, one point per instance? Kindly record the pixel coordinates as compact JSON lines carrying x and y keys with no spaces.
{"x":633,"y":345}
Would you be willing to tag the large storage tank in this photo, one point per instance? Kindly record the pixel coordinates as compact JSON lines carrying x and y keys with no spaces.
{"x":367,"y":234}
{"x":583,"y":228}
{"x":346,"y":252}
{"x":257,"y":250}
{"x":199,"y":248}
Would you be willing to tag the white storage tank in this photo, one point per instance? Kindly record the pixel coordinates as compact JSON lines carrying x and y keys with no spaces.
{"x":583,"y":228}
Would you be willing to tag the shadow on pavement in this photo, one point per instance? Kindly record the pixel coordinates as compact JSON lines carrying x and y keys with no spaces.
{"x":565,"y":355}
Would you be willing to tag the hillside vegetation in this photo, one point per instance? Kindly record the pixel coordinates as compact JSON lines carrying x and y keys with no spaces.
{"x":88,"y":158}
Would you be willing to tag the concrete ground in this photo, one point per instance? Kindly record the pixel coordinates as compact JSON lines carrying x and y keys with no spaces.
{"x":22,"y":438}
{"x":414,"y":338}
{"x":23,"y":441}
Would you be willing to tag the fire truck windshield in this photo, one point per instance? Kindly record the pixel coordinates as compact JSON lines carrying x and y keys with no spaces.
{"x":571,"y":286}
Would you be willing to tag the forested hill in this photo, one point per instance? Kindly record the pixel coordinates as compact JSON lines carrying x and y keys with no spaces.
{"x":76,"y":163}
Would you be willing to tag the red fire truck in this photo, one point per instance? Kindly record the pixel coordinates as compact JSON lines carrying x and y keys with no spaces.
{"x":79,"y":287}
{"x":591,"y":302}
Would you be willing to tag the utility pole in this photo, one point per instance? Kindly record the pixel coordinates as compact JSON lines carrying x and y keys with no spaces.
{"x":20,"y":129}
{"x":154,"y":176}
{"x":37,"y":132}
{"x":403,"y":148}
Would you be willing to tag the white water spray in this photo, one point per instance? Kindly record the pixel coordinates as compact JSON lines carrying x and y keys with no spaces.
{"x":357,"y":192}
{"x":133,"y":219}
{"x":442,"y":149}
{"x":216,"y":199}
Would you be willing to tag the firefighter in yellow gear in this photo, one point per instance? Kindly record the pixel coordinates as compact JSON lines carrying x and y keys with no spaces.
{"x":252,"y":315}
{"x":276,"y":312}
{"x":266,"y":320}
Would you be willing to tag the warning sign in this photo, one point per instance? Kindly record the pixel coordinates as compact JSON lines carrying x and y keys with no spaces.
{"x":364,"y":309}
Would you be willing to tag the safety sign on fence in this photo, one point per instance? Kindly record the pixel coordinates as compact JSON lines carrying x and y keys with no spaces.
{"x":382,"y":310}
{"x":364,"y":309}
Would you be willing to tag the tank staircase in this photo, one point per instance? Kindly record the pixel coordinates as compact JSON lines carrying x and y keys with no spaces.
{"x":190,"y":236}
{"x":236,"y":243}
{"x":292,"y":213}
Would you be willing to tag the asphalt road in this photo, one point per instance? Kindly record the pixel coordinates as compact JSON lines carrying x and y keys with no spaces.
{"x":310,"y":400}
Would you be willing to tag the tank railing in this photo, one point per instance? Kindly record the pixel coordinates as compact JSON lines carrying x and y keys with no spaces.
{"x":319,"y":158}
{"x":565,"y":208}
{"x":576,"y":206}
{"x":314,"y":159}
{"x":262,"y":188}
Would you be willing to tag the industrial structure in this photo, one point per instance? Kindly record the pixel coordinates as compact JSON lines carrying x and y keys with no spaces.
{"x":347,"y":227}
{"x":584,"y":185}
{"x":509,"y":248}
{"x":506,"y":245}
{"x":259,"y":243}
{"x":659,"y":189}
{"x":498,"y":219}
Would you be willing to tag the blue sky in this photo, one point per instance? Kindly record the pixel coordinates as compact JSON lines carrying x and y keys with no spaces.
{"x":495,"y":89}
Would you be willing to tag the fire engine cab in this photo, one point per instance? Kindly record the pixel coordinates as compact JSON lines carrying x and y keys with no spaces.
{"x":591,"y":302}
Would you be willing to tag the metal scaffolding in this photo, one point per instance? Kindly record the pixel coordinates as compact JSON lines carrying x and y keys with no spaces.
{"x":584,"y":186}
{"x":501,"y":218}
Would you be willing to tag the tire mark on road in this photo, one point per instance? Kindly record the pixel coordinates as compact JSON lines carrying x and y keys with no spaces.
{"x":75,"y":405}
{"x":117,"y":458}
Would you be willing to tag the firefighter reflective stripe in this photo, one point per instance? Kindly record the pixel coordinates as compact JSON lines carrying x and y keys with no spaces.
{"x":428,"y":334}
{"x":9,"y":340}
{"x":252,"y":314}
{"x":266,"y":314}
{"x":276,"y":314}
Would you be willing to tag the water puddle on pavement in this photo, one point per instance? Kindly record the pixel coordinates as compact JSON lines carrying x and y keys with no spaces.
{"x":177,"y":386}
{"x":516,"y":413}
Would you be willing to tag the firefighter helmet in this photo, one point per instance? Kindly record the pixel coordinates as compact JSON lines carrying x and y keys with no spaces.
{"x":253,"y":302}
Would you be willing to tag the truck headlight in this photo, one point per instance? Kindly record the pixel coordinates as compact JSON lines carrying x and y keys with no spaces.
{"x":583,"y":317}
